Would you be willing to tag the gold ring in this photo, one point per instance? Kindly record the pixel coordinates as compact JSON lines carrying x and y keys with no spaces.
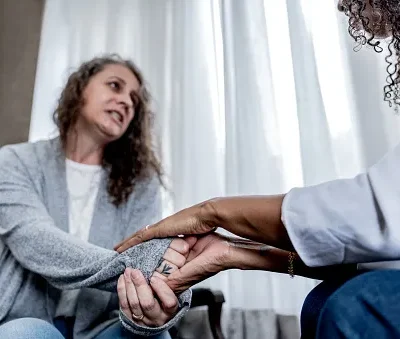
{"x":138,"y":317}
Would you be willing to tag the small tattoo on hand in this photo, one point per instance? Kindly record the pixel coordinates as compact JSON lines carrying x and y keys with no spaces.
{"x":166,"y":269}
{"x":160,"y":262}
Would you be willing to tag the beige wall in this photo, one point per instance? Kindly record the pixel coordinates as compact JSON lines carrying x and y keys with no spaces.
{"x":19,"y":42}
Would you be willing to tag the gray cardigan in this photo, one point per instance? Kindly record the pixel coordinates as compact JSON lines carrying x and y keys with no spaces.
{"x":38,"y":257}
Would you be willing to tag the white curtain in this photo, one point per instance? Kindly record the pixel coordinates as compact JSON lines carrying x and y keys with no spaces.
{"x":252,"y":97}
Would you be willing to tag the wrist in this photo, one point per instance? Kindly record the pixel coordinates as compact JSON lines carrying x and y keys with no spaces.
{"x":242,"y":253}
{"x":209,"y":213}
{"x":249,"y":255}
{"x":238,"y":259}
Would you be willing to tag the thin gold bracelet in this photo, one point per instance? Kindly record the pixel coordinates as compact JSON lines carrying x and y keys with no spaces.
{"x":291,"y":258}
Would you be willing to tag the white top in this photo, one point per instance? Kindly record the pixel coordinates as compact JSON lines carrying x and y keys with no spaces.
{"x":83,"y":185}
{"x":348,"y":220}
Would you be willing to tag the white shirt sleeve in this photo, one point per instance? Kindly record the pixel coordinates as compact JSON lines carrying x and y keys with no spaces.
{"x":348,"y":220}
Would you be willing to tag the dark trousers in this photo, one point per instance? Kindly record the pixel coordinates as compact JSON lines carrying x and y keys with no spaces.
{"x":365,"y":305}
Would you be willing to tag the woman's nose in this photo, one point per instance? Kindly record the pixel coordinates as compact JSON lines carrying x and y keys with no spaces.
{"x":125,"y":100}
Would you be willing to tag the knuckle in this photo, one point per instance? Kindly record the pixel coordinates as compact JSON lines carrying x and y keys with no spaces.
{"x":168,"y":252}
{"x":148,"y":306}
{"x":170,"y":305}
{"x":134,"y":305}
{"x":185,"y":247}
{"x":181,"y":261}
{"x":207,"y":216}
{"x":128,"y":281}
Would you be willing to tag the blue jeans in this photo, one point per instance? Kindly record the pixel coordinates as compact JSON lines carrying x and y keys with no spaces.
{"x":365,"y":306}
{"x":31,"y":328}
{"x":118,"y":332}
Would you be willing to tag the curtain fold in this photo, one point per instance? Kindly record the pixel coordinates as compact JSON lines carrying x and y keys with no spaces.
{"x":251,"y":97}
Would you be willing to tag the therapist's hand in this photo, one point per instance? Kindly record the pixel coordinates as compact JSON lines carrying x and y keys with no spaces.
{"x":197,"y":219}
{"x":256,"y":218}
{"x":211,"y":254}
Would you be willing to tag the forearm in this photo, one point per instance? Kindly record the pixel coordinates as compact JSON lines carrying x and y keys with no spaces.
{"x":252,"y":217}
{"x":68,"y":263}
{"x":249,"y":255}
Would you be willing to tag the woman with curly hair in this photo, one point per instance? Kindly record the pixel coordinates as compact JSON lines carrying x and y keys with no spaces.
{"x":334,"y":231}
{"x":64,"y":202}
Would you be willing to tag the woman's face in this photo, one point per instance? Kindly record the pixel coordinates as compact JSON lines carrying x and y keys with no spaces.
{"x":377,"y":19}
{"x":108,"y":103}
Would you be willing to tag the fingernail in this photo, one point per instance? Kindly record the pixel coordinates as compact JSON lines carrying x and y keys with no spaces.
{"x":127,"y":272}
{"x":153,"y":280}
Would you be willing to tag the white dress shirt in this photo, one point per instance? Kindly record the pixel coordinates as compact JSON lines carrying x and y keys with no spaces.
{"x":348,"y":220}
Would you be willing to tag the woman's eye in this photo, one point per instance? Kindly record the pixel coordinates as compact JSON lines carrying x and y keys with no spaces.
{"x":114,"y":85}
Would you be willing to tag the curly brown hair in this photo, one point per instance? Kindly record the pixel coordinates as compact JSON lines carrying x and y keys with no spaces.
{"x":129,"y":159}
{"x":384,"y":17}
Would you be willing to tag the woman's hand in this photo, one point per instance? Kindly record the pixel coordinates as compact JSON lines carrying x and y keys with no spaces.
{"x":175,"y":256}
{"x":154,"y":304}
{"x":147,"y":305}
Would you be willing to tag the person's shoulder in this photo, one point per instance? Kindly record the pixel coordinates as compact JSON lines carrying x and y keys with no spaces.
{"x":11,"y":151}
{"x":29,"y":152}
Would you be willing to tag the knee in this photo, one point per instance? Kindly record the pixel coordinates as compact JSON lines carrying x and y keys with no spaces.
{"x":336,"y":309}
{"x":310,"y":311}
{"x":343,"y":311}
{"x":335,"y":318}
{"x":27,"y":328}
{"x":314,"y":303}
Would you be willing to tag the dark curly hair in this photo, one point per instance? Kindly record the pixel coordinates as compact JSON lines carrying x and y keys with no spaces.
{"x":383,"y":19}
{"x":129,"y":159}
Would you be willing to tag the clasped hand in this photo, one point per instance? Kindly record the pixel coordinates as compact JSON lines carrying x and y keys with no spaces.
{"x":153,"y":304}
{"x":186,"y":262}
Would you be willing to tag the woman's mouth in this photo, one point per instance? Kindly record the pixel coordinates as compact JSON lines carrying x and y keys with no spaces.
{"x":117,"y":116}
